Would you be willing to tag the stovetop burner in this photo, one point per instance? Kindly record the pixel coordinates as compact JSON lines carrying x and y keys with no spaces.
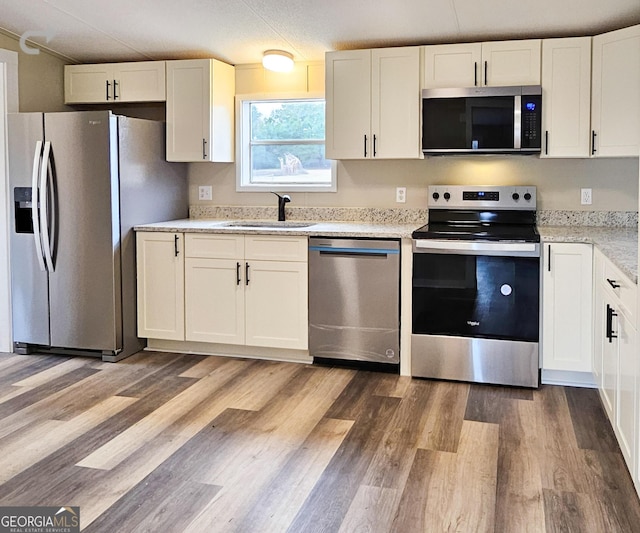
{"x":481,"y":213}
{"x":485,"y":232}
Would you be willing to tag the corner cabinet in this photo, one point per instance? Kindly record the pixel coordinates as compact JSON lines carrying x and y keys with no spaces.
{"x":566,"y":92}
{"x":200,"y":110}
{"x":233,"y":289}
{"x":482,"y":64}
{"x":140,"y":81}
{"x":160,"y":285}
{"x":615,"y":355}
{"x":615,"y":106}
{"x":567,"y":283}
{"x":373,"y":104}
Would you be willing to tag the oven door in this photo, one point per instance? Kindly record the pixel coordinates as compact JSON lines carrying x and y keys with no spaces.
{"x":472,"y":289}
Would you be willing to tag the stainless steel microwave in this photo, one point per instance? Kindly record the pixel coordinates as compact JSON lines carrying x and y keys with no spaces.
{"x":482,"y":120}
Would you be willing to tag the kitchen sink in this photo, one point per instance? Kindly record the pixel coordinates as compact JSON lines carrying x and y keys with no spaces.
{"x":268,"y":224}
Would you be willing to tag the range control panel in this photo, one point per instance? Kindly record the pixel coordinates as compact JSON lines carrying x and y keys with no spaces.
{"x":480,"y":196}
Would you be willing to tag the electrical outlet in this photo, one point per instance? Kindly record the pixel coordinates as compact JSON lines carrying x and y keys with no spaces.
{"x":585,"y":196}
{"x":205,"y":192}
{"x":401,"y":195}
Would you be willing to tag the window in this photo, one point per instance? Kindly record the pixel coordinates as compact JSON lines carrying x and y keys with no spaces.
{"x":281,"y":145}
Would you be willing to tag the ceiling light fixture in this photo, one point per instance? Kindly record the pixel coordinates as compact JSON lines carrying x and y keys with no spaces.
{"x":277,"y":60}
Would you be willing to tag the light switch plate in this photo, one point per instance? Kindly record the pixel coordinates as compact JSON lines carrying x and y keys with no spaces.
{"x":205,"y":192}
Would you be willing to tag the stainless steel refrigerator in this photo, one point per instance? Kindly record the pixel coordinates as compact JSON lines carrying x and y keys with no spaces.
{"x":79,"y":183}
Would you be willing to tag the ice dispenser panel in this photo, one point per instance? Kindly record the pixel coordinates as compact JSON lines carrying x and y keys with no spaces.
{"x":22,"y":201}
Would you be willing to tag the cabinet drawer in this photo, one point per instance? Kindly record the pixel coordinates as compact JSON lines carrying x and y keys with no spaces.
{"x":275,"y":248}
{"x":625,"y":290}
{"x":208,"y":245}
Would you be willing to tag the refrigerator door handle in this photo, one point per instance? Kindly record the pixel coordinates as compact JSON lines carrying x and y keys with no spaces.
{"x":35,"y":197}
{"x":45,"y":176}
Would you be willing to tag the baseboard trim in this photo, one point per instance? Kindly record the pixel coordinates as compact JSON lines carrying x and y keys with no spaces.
{"x":568,"y":378}
{"x":230,"y":350}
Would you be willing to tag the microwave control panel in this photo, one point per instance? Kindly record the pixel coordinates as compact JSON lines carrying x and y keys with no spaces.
{"x":531,"y":110}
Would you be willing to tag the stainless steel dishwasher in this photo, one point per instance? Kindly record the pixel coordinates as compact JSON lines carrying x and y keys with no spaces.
{"x":354,"y":299}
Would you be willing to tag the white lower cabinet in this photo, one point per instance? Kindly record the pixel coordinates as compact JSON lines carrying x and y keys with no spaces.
{"x":160,"y":288}
{"x":566,"y":319}
{"x":240,"y":290}
{"x":615,"y":355}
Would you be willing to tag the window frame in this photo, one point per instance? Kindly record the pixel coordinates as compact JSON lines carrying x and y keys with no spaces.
{"x":243,"y":149}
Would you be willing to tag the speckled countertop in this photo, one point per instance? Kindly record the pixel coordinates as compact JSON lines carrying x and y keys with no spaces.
{"x":313,"y":229}
{"x":620,"y":245}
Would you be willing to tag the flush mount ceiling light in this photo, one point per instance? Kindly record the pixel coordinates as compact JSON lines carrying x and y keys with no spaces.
{"x":277,"y":60}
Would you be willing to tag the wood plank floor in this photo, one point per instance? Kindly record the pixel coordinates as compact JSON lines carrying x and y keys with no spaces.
{"x":184,"y":443}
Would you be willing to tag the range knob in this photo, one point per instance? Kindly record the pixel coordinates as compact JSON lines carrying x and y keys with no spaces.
{"x":515,"y":196}
{"x":527,"y":196}
{"x":447,"y":196}
{"x":435,"y":195}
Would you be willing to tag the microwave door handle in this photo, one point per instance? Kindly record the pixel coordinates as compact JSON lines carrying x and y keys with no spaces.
{"x":45,"y":177}
{"x":35,"y":194}
{"x":517,"y":122}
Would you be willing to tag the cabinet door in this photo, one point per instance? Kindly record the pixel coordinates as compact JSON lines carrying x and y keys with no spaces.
{"x":511,"y":62}
{"x":141,"y":81}
{"x":566,"y":89}
{"x":188,"y":115}
{"x":626,"y":390}
{"x":87,"y":84}
{"x":395,"y":102}
{"x":214,"y":300}
{"x":160,"y":290}
{"x":599,"y":328}
{"x":609,"y":388}
{"x":200,"y":110}
{"x":276,"y":304}
{"x":452,"y":65}
{"x":615,"y":88}
{"x":348,"y":105}
{"x":567,"y":303}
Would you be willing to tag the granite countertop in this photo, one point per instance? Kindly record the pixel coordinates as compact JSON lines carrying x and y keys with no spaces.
{"x":619,"y":245}
{"x":314,"y":229}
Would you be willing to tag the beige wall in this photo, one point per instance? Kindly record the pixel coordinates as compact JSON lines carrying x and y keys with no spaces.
{"x":40,"y":78}
{"x":373,"y":183}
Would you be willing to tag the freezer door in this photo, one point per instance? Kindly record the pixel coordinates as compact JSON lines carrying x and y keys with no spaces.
{"x":29,"y":285}
{"x":84,"y":287}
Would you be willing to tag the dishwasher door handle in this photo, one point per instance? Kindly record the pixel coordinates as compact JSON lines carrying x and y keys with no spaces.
{"x":371,"y":252}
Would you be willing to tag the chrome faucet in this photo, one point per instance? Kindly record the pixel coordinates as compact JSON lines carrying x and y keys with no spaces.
{"x":282,"y":200}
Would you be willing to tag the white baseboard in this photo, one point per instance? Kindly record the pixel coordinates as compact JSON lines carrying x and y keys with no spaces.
{"x":568,"y":378}
{"x":230,"y":350}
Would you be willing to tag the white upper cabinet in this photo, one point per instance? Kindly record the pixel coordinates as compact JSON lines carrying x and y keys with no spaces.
{"x":511,"y":62}
{"x":141,"y":81}
{"x":200,"y":110}
{"x":482,"y":64}
{"x":373,"y":103}
{"x":566,"y":93}
{"x":615,"y":111}
{"x":452,"y":65}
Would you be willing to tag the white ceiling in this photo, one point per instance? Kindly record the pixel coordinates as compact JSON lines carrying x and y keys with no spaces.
{"x":238,"y":31}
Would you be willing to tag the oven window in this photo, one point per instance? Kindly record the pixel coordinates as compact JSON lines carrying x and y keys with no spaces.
{"x":476,"y":296}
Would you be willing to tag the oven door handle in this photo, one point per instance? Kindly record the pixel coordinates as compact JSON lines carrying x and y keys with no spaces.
{"x":476,"y":247}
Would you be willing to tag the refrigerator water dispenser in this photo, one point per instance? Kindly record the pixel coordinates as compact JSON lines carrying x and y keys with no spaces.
{"x":23,"y":212}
